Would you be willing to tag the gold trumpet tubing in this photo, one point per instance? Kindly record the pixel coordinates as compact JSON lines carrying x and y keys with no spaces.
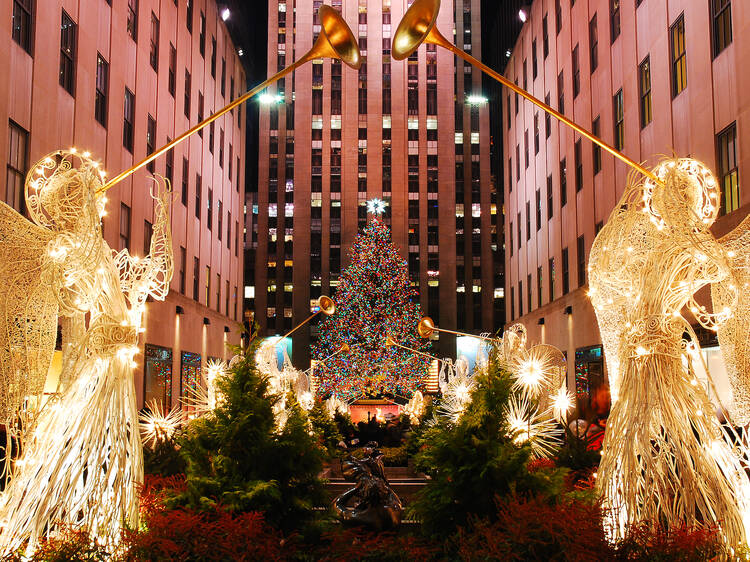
{"x":439,"y":40}
{"x":239,"y":101}
{"x":322,"y":361}
{"x":422,"y":353}
{"x":465,"y":334}
{"x":298,"y":326}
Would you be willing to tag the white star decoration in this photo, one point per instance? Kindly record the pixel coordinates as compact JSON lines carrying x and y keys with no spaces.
{"x":376,"y":206}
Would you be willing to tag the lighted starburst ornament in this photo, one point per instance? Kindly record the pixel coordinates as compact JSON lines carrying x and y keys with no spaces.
{"x":376,"y":206}
{"x":526,"y":424}
{"x":157,"y":425}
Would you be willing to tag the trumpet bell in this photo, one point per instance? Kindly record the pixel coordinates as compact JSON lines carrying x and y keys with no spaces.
{"x":389,"y":341}
{"x":336,"y":40}
{"x":415,"y":28}
{"x":327,"y":306}
{"x":344,"y":348}
{"x":426,"y":327}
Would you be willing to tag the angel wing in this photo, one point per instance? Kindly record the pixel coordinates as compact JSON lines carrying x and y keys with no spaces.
{"x":28,"y":311}
{"x":734,"y":333}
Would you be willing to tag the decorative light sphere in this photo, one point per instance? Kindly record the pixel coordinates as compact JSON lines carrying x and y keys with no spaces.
{"x":376,"y":206}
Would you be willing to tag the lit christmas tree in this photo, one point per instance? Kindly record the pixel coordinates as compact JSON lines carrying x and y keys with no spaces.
{"x":373,"y":300}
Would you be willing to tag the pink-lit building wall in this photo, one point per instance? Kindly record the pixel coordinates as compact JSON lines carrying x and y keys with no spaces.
{"x":687,"y":123}
{"x":34,"y":101}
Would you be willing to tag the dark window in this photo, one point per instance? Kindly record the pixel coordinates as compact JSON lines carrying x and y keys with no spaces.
{"x":68,"y":31}
{"x":593,"y":44}
{"x":558,"y":16}
{"x":518,"y":225}
{"x":22,"y":23}
{"x":595,"y":148}
{"x":154,"y":52}
{"x":102,"y":90}
{"x":221,"y":148}
{"x":536,"y":133}
{"x":202,"y":35}
{"x":132,"y":24}
{"x":196,"y":278}
{"x":528,"y":221}
{"x":198,"y":189}
{"x":539,"y":285}
{"x":614,"y":18}
{"x":185,"y":181}
{"x":538,"y":209}
{"x":129,"y":119}
{"x":578,"y":156}
{"x":229,"y":230}
{"x":619,"y":120}
{"x":721,"y":10}
{"x":201,"y":107}
{"x":124,"y":227}
{"x":213,"y":57}
{"x":576,"y":73}
{"x":150,"y":141}
{"x":518,"y":163}
{"x":520,"y":298}
{"x":561,"y":92}
{"x":563,"y":183}
{"x":534,"y":65}
{"x":644,"y":86}
{"x":512,"y":303}
{"x":183,"y":266}
{"x":172,"y":70}
{"x":169,"y":164}
{"x":18,"y":150}
{"x":545,"y":37}
{"x":551,"y":273}
{"x":528,"y":291}
{"x":526,"y":148}
{"x":148,"y":233}
{"x":550,"y":206}
{"x":728,"y":174}
{"x":565,"y":272}
{"x":547,"y":119}
{"x":511,"y":238}
{"x":219,"y":217}
{"x":581,"y":261}
{"x":209,"y":212}
{"x":187,"y":94}
{"x":189,"y":16}
{"x":679,"y":57}
{"x":223,"y":77}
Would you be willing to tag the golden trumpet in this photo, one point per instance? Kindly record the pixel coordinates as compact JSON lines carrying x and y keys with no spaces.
{"x":390,"y":342}
{"x":418,"y":26}
{"x":426,"y":328}
{"x":335,"y":41}
{"x":326,"y":305}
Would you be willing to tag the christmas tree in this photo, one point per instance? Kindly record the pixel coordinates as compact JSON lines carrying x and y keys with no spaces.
{"x":373,"y":301}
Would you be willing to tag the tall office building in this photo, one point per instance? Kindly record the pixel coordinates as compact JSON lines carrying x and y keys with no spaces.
{"x":650,"y":78}
{"x":414,"y":133}
{"x":119,"y":79}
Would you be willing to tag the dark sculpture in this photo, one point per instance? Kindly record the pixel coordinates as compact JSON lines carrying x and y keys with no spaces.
{"x":371,"y":502}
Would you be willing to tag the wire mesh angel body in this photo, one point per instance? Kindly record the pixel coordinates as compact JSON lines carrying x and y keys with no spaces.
{"x":83,"y":461}
{"x":665,"y":458}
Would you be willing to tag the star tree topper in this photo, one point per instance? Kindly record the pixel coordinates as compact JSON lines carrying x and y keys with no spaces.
{"x":376,"y":206}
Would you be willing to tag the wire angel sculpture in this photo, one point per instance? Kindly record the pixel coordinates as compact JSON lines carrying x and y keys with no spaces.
{"x":204,"y":398}
{"x":665,"y":457}
{"x":82,"y":463}
{"x":733,"y":293}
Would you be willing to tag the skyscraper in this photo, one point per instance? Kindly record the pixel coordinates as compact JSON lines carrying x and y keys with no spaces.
{"x":414,"y":133}
{"x":119,"y":79}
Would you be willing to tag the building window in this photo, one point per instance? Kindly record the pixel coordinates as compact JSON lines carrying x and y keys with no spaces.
{"x":22,"y":23}
{"x":185,"y":181}
{"x":563,"y":182}
{"x":728,"y":174}
{"x":550,"y":207}
{"x":538,"y":209}
{"x":614,"y":18}
{"x":208,"y":287}
{"x":619,"y":119}
{"x":526,"y":149}
{"x":528,"y":221}
{"x":150,"y":141}
{"x":518,"y":224}
{"x":547,"y":119}
{"x":196,"y":278}
{"x":511,"y":238}
{"x":124,"y":227}
{"x":545,"y":37}
{"x":520,"y":298}
{"x":190,"y":374}
{"x":213,"y":58}
{"x":528,"y":292}
{"x":534,"y":65}
{"x":18,"y":149}
{"x":565,"y":272}
{"x":223,"y":77}
{"x":129,"y":119}
{"x":721,"y":10}
{"x":157,"y":376}
{"x":202,"y":35}
{"x":539,"y":285}
{"x":578,"y":157}
{"x":183,"y":266}
{"x":154,"y":52}
{"x":209,"y":214}
{"x":198,"y":189}
{"x":172,"y":85}
{"x":187,"y":94}
{"x":576,"y":73}
{"x":561,"y":92}
{"x":132,"y":24}
{"x":221,"y":148}
{"x":148,"y":234}
{"x":551,"y":273}
{"x":581,"y":261}
{"x":679,"y":57}
{"x":596,"y":150}
{"x":68,"y":54}
{"x":644,"y":86}
{"x":102,"y":89}
{"x":593,"y":44}
{"x":512,"y":303}
{"x":558,"y":16}
{"x":189,"y":15}
{"x":219,"y":218}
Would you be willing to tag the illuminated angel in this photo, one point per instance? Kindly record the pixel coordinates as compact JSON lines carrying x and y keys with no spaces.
{"x":82,"y":463}
{"x":665,"y":457}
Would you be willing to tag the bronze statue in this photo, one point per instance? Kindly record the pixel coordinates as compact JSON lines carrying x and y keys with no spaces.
{"x":371,"y":502}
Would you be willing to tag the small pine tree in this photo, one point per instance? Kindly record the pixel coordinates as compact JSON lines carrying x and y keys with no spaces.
{"x":373,"y":300}
{"x":236,"y":457}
